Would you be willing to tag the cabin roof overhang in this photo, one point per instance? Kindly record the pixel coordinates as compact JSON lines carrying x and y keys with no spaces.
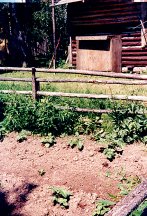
{"x":60,"y":2}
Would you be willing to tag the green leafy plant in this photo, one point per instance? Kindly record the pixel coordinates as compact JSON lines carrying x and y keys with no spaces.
{"x":87,"y":125}
{"x":41,"y":172}
{"x":114,"y":148}
{"x":22,"y":136}
{"x":130,"y":123}
{"x":48,"y":141}
{"x":76,"y":142}
{"x":61,"y":196}
{"x":127,"y":184}
{"x":140,"y":210}
{"x":102,"y":207}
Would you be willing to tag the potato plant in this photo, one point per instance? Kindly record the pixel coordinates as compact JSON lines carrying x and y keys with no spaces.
{"x":61,"y":196}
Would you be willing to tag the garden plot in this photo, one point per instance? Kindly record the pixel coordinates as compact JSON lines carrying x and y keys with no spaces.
{"x":29,"y":169}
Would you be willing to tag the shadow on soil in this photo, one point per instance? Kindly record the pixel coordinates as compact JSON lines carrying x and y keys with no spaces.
{"x":13,"y":209}
{"x":144,"y":212}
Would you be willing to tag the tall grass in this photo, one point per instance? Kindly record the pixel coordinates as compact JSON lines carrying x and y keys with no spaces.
{"x":74,"y":87}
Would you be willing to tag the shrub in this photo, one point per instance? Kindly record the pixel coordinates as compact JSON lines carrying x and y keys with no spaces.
{"x":102,"y":207}
{"x":130,"y":123}
{"x":61,"y":196}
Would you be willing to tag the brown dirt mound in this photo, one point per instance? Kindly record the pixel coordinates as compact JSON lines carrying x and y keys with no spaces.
{"x":25,"y":193}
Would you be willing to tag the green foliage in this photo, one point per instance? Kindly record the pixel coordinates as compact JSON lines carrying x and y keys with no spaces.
{"x":48,"y":141}
{"x":127,"y":184}
{"x":77,"y":142}
{"x":41,"y":172}
{"x":61,"y":196}
{"x":114,"y":148}
{"x":129,"y":126}
{"x":88,"y":125}
{"x":110,"y":153}
{"x":22,"y":113}
{"x":130,"y":123}
{"x":102,"y":207}
{"x":41,"y":31}
{"x":22,"y":136}
{"x":140,"y":210}
{"x":19,"y":114}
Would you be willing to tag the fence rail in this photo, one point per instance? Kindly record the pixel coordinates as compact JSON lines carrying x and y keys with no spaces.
{"x":80,"y":72}
{"x":128,"y":79}
{"x":130,"y":202}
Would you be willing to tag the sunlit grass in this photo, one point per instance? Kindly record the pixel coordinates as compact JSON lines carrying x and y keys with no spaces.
{"x":72,"y":87}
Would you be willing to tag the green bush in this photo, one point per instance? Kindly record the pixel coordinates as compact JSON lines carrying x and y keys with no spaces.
{"x":42,"y":117}
{"x":130,"y":123}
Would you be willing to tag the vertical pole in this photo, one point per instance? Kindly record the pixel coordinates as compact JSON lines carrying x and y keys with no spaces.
{"x":34,"y":84}
{"x":54,"y":33}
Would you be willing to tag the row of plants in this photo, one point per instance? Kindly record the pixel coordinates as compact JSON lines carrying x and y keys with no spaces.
{"x":125,"y":125}
{"x":61,"y":196}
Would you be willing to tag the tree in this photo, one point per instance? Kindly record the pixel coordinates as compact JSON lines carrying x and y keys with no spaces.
{"x":29,"y":33}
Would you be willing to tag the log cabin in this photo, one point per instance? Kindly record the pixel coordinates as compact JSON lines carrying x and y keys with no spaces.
{"x":107,"y":35}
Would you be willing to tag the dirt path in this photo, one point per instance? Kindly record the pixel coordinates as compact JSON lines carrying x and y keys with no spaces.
{"x":25,"y":193}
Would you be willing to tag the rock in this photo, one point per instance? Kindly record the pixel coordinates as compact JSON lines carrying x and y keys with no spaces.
{"x":75,"y":159}
{"x":91,"y":154}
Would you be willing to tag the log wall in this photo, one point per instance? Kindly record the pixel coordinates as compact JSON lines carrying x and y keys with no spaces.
{"x":110,"y":17}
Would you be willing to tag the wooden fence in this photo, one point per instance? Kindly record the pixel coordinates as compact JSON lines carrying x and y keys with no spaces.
{"x":128,"y":79}
{"x":129,"y":203}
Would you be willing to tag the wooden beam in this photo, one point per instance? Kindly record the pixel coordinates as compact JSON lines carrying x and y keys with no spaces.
{"x":81,"y":72}
{"x":113,"y":82}
{"x":54,"y":33}
{"x":15,"y":79}
{"x":93,"y":96}
{"x":78,"y":95}
{"x":92,"y":37}
{"x":130,"y":202}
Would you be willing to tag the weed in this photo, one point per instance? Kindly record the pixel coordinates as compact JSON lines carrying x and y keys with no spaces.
{"x":114,"y":148}
{"x":127,"y":184}
{"x":48,"y":141}
{"x":88,"y":125}
{"x":41,"y":172}
{"x":140,"y":210}
{"x":77,"y":142}
{"x":130,"y":123}
{"x":22,"y":136}
{"x":108,"y":174}
{"x":102,"y":207}
{"x":61,"y":196}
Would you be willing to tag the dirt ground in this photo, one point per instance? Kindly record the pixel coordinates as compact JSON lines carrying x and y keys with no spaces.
{"x":23,"y":192}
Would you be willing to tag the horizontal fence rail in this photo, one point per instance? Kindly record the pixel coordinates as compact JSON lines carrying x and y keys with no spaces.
{"x":77,"y":95}
{"x":80,"y":72}
{"x":137,"y":79}
{"x":130,"y":202}
{"x":120,"y":82}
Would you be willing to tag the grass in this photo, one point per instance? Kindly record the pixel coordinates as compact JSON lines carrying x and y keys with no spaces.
{"x":73,"y":87}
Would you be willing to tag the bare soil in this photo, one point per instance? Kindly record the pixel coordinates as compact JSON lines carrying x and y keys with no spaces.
{"x":23,"y":192}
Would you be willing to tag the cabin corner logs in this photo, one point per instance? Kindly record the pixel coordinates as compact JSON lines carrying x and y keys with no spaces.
{"x":108,"y":35}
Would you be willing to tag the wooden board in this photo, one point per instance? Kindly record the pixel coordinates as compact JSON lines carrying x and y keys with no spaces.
{"x":93,"y":60}
{"x":98,"y":59}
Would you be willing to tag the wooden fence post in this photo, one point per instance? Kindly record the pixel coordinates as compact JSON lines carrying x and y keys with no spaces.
{"x":35,"y":84}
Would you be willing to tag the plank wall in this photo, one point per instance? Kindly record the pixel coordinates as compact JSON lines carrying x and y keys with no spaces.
{"x":110,"y":17}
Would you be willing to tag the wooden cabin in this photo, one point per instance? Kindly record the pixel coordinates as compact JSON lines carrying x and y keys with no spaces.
{"x":107,"y":35}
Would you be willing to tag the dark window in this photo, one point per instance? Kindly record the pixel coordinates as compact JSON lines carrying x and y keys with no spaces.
{"x":95,"y":44}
